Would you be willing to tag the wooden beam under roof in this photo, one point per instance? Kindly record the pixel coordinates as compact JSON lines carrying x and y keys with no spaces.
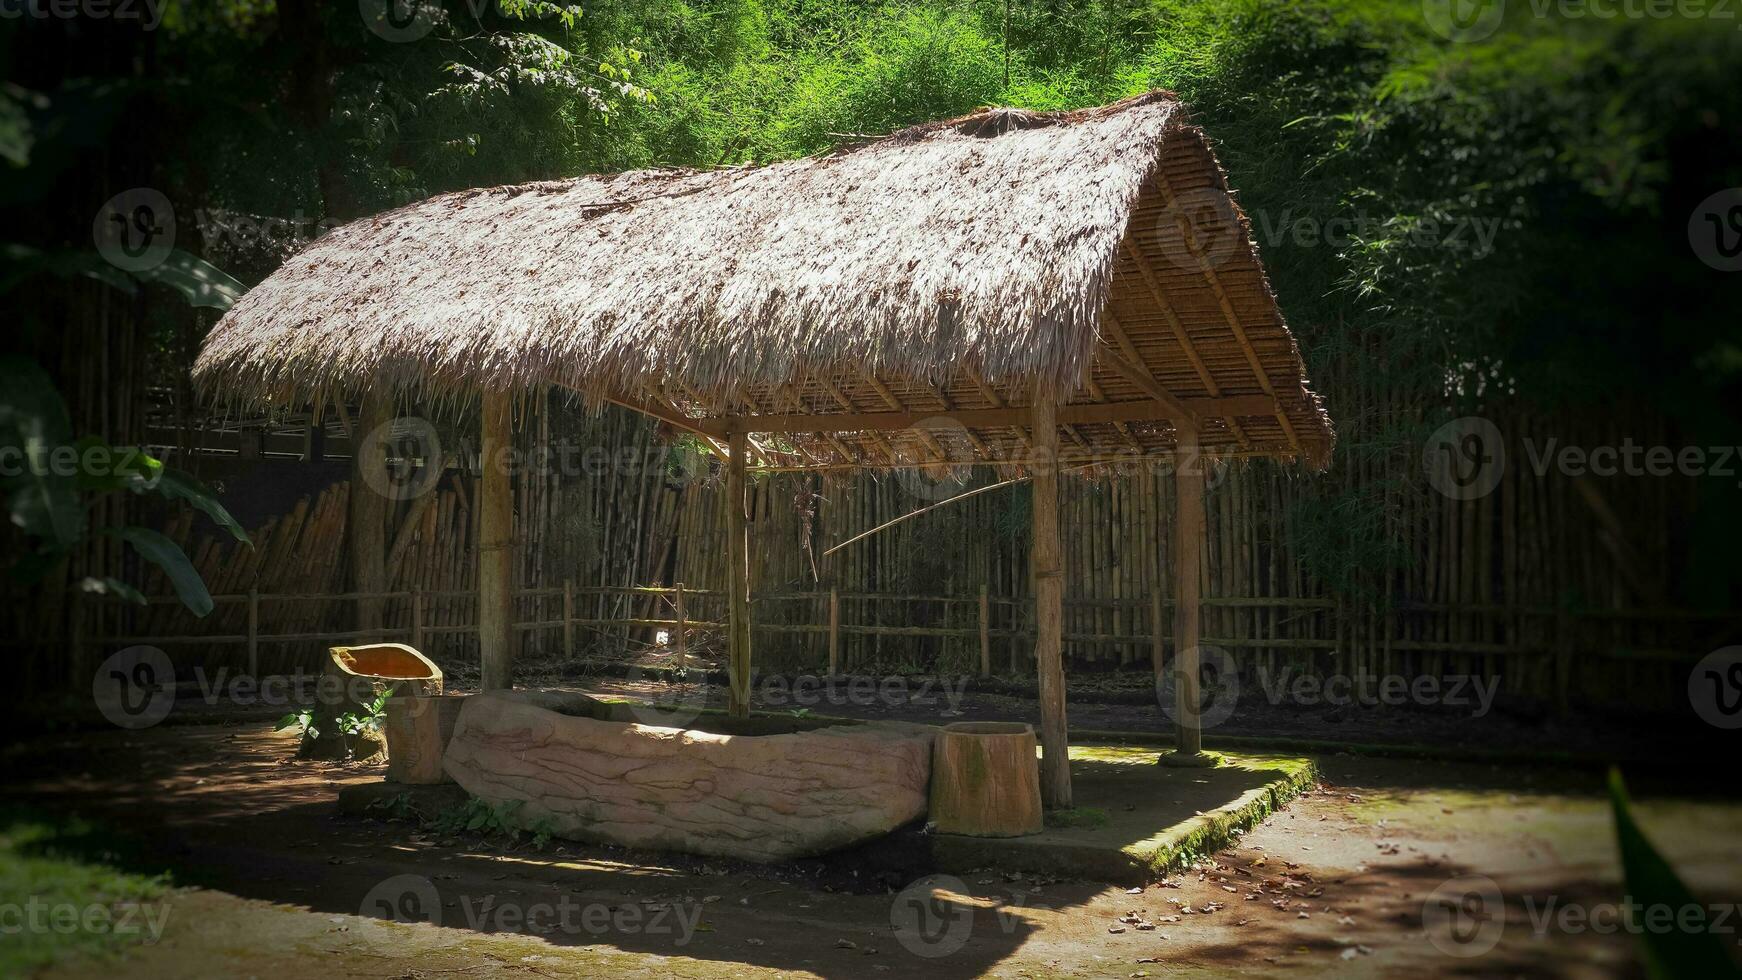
{"x":1146,"y":410}
{"x":1208,"y":271}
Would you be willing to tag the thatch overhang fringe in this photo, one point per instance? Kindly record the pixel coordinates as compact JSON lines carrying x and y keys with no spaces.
{"x":933,"y":278}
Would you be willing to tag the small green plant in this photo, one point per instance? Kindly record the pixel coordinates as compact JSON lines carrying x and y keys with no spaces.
{"x":395,"y":807}
{"x":1651,"y":883}
{"x":478,"y":816}
{"x":354,"y":727}
{"x":800,"y":713}
{"x":303,"y":720}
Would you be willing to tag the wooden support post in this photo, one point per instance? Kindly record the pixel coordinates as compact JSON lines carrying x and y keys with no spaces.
{"x":738,"y":571}
{"x":417,"y":620}
{"x":79,"y":654}
{"x":1563,"y":662}
{"x":1189,"y":531}
{"x":985,"y":632}
{"x":368,"y":507}
{"x":678,"y":637}
{"x":834,"y":632}
{"x":495,"y":545}
{"x":1157,"y":648}
{"x":254,"y":632}
{"x":1049,"y":594}
{"x":568,"y":619}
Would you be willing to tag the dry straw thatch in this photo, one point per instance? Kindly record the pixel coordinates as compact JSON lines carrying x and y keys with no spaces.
{"x":949,"y":266}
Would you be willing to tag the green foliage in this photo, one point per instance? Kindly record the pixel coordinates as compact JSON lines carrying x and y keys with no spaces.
{"x":302,"y":720}
{"x":399,"y":806}
{"x":1674,"y":953}
{"x":1492,"y":227}
{"x":61,"y":862}
{"x":49,"y":480}
{"x":477,"y":816}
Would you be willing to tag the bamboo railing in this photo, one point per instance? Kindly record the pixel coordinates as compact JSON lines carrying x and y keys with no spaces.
{"x":245,"y":626}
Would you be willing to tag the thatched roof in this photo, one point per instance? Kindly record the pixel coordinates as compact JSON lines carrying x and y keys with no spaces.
{"x":948,"y":267}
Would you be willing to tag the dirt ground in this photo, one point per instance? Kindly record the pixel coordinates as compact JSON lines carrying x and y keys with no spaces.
{"x":271,"y":882}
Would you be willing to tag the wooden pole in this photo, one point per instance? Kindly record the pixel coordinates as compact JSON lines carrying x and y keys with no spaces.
{"x":985,"y":632}
{"x":495,"y":545}
{"x":79,"y":654}
{"x":368,"y":506}
{"x":1157,"y":649}
{"x":1189,"y":534}
{"x":678,"y":639}
{"x":738,"y":570}
{"x":834,"y":632}
{"x":569,"y":619}
{"x":1049,"y":594}
{"x":417,"y":620}
{"x":254,"y":632}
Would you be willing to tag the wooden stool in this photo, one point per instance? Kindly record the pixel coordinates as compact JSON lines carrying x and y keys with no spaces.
{"x":985,"y":780}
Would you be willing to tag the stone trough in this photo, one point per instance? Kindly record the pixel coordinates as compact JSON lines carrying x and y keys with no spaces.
{"x":757,"y":789}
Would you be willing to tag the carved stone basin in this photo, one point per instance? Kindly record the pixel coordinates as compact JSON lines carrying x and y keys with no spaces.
{"x":780,"y":789}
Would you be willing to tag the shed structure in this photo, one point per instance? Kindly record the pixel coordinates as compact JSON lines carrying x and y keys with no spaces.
{"x":1033,"y":291}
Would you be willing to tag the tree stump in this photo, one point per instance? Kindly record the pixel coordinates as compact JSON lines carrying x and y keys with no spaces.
{"x":985,"y":780}
{"x":352,"y":678}
{"x":417,"y":731}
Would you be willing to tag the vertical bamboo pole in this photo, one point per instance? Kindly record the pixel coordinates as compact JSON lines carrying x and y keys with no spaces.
{"x":738,"y":570}
{"x":834,"y":631}
{"x":369,"y":506}
{"x":495,"y":546}
{"x":678,"y":637}
{"x":254,"y":632}
{"x":1189,"y":533}
{"x":417,"y":620}
{"x":1049,"y":592}
{"x":77,"y":648}
{"x":985,"y":632}
{"x":1157,"y":649}
{"x":569,"y":619}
